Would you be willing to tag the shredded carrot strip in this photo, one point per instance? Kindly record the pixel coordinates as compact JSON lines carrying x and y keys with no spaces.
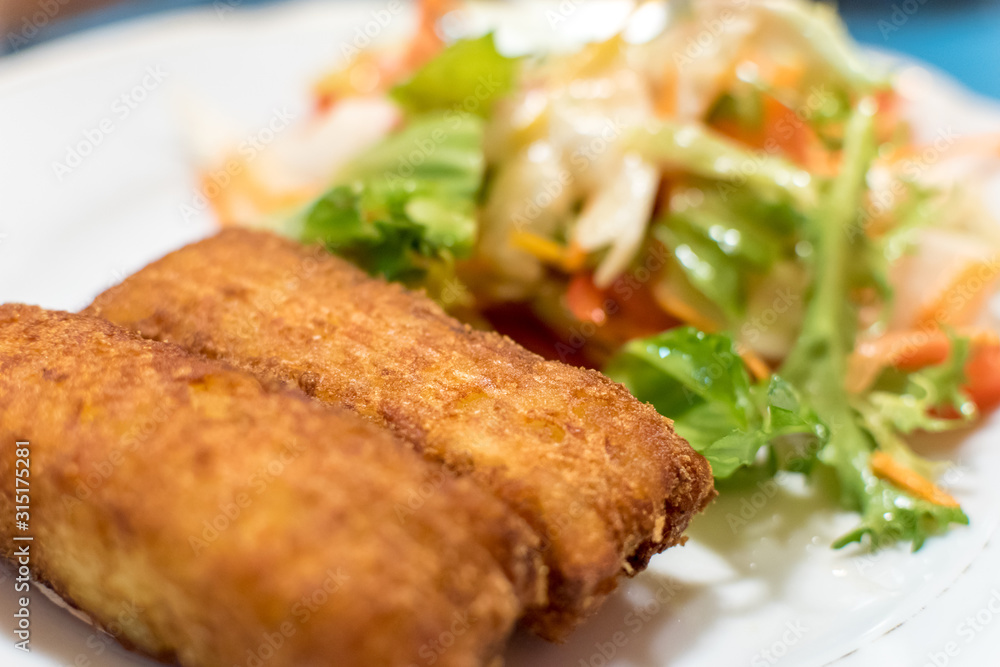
{"x":665,"y":99}
{"x":569,"y":259}
{"x":246,"y":194}
{"x":912,"y":350}
{"x":220,"y":203}
{"x":885,"y":467}
{"x":757,"y":366}
{"x":575,"y":258}
{"x":368,"y":73}
{"x":675,"y":306}
{"x":909,"y":351}
{"x":784,"y":75}
{"x":426,"y":42}
{"x":665,"y":103}
{"x":964,"y":298}
{"x":373,"y":71}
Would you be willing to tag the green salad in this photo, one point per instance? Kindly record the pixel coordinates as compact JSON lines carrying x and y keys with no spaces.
{"x":730,"y":214}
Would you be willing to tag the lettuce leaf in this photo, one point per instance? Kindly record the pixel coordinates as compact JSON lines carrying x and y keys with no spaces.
{"x":699,"y":380}
{"x":694,"y":149}
{"x":469,"y":77}
{"x":406,"y":202}
{"x":891,"y":515}
{"x":721,"y":240}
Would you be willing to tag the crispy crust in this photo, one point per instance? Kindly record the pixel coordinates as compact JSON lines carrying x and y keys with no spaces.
{"x":600,"y":476}
{"x":175,"y":499}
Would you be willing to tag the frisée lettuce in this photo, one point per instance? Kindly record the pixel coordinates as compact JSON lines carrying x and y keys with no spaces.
{"x":700,"y":381}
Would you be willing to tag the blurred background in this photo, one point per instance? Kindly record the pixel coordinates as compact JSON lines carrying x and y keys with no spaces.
{"x":961,"y":37}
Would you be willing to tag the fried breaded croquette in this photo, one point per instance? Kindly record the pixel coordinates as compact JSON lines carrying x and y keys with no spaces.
{"x":601,"y":477}
{"x":221,"y":524}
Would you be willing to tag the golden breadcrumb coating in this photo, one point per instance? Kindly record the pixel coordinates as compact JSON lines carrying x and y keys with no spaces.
{"x":600,"y":476}
{"x":220,"y":524}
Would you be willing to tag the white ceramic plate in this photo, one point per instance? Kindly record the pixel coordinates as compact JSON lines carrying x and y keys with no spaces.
{"x":765,"y":592}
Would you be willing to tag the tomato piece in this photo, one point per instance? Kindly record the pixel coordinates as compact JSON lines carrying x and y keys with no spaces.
{"x":585,"y":300}
{"x":621,"y":312}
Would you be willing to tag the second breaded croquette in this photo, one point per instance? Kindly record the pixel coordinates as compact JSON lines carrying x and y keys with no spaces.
{"x":601,"y":477}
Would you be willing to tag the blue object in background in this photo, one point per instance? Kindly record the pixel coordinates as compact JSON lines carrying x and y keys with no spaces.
{"x":22,"y":36}
{"x":961,"y":37}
